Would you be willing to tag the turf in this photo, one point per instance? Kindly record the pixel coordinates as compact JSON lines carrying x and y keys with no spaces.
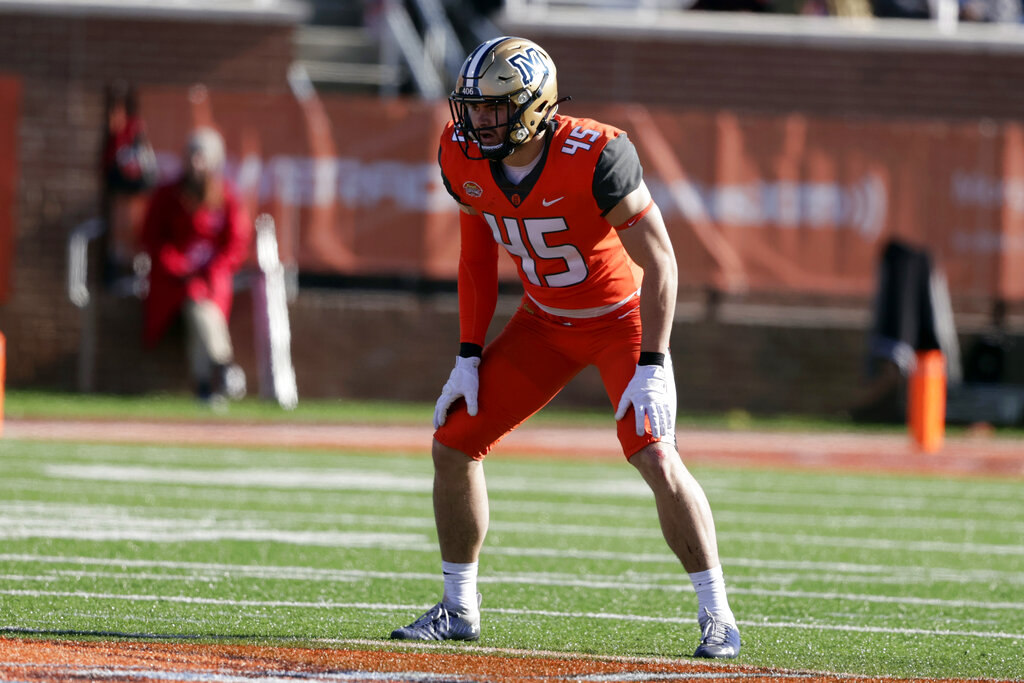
{"x":45,"y":404}
{"x":868,"y":574}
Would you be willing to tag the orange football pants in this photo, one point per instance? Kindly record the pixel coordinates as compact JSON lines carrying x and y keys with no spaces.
{"x":529,"y":363}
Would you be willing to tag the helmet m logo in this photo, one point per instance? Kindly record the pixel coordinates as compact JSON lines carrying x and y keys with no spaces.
{"x":528,"y":63}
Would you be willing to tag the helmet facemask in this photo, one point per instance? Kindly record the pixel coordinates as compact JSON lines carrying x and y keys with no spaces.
{"x":517,"y":79}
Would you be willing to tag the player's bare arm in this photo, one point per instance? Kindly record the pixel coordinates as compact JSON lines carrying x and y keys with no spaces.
{"x":648,"y":244}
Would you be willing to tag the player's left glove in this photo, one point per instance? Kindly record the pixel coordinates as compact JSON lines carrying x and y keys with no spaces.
{"x":463,"y":382}
{"x":651,"y":393}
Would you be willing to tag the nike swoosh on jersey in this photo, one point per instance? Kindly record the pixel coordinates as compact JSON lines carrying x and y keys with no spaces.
{"x":545,"y":202}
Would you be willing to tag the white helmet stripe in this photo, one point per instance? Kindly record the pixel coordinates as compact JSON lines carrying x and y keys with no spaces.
{"x":475,"y":60}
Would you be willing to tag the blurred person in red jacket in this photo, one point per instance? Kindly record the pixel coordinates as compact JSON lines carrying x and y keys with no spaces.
{"x":197,"y":234}
{"x":128,"y":171}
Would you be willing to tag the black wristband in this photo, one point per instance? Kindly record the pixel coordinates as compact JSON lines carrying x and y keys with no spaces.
{"x":468,"y":350}
{"x":651,"y":358}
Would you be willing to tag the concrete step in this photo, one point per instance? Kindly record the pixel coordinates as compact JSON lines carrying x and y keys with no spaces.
{"x":344,"y":58}
{"x":355,"y":44}
{"x":342,"y":73}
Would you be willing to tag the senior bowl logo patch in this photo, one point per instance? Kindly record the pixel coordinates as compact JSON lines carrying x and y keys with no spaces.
{"x":472,"y":189}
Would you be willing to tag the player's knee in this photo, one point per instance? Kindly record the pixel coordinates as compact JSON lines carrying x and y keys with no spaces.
{"x":657,"y":461}
{"x":450,"y":461}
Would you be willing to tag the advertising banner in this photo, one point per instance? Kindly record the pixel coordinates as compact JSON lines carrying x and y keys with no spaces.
{"x":783,"y":203}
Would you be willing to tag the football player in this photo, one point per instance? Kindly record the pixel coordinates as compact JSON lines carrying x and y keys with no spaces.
{"x":565,"y":197}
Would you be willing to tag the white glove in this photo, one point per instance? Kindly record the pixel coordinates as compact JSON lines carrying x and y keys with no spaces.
{"x":465,"y":382}
{"x":651,"y":392}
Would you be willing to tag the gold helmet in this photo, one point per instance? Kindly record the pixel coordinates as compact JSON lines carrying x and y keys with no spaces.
{"x":509,"y":72}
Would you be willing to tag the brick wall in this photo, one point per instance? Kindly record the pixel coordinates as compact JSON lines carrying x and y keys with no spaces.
{"x":719,"y":364}
{"x":400,"y":346}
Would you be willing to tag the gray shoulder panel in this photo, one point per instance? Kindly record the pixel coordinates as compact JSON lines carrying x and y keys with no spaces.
{"x":618,"y":172}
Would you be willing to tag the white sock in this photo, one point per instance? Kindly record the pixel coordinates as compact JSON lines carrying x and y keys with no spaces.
{"x":460,"y":586}
{"x":710,"y":587}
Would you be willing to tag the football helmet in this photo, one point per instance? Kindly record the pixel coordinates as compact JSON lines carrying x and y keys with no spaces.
{"x":517,"y":78}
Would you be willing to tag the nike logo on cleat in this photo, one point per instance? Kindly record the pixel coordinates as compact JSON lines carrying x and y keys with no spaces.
{"x":546,"y":202}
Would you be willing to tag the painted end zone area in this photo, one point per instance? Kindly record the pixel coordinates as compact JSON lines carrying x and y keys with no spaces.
{"x":58,"y":660}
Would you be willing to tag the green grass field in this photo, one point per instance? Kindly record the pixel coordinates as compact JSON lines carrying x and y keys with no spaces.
{"x":880,"y":575}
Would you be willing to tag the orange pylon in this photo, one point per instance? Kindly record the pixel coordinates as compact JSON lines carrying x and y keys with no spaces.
{"x":926,"y":402}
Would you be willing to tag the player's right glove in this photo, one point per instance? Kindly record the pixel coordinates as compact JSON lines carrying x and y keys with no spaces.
{"x":464,"y":382}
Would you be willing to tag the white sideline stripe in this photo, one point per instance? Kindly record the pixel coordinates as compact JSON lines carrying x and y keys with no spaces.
{"x":333,"y":479}
{"x":887,"y":599}
{"x":192,"y":600}
{"x":369,"y":480}
{"x":330,"y":539}
{"x":609,"y":583}
{"x":655,"y":581}
{"x":868,"y":483}
{"x":727,"y":511}
{"x":879,"y":543}
{"x":33,"y":510}
{"x":873,"y":570}
{"x":247,"y":477}
{"x":853,"y":488}
{"x":112,"y":523}
{"x":29,"y":517}
{"x":890,"y":502}
{"x":858,"y":521}
{"x":182,"y":531}
{"x":722,"y":518}
{"x":724,"y":501}
{"x":187,"y":599}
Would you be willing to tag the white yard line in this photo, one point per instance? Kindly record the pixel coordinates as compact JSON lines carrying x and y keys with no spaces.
{"x":183,"y":533}
{"x":158,"y":530}
{"x":872,"y":570}
{"x":316,"y":479}
{"x":896,"y":545}
{"x":617,"y":514}
{"x":770,"y":483}
{"x":105,"y":522}
{"x":531,"y":580}
{"x":386,"y":607}
{"x":731,"y":510}
{"x":203,"y":572}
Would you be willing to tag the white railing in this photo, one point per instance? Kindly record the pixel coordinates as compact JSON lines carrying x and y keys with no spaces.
{"x":400,"y":41}
{"x":272,"y":329}
{"x":433,"y":58}
{"x":78,"y":260}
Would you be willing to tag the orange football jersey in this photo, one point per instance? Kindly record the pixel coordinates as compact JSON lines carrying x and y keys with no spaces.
{"x":552,"y":222}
